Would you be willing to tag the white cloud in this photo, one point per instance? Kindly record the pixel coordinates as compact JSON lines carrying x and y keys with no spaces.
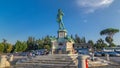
{"x":92,"y":5}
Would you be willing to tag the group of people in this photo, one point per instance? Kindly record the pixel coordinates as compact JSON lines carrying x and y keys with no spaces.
{"x":37,"y":53}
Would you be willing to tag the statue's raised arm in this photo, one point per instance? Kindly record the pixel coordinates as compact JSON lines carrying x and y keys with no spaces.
{"x":59,"y":19}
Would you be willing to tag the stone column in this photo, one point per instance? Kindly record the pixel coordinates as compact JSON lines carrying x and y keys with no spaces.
{"x":82,"y":61}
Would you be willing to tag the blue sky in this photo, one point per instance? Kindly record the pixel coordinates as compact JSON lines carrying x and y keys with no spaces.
{"x":20,"y":19}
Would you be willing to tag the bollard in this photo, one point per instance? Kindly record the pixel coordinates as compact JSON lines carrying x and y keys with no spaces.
{"x":92,"y":58}
{"x":11,"y":58}
{"x":107,"y":57}
{"x":86,"y":62}
{"x":82,"y":61}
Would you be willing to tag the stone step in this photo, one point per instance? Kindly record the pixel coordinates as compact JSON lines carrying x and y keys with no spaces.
{"x":37,"y":66}
{"x":60,"y":55}
{"x":40,"y":57}
{"x":45,"y":65}
{"x":54,"y":57}
{"x":49,"y":61}
{"x":60,"y":60}
{"x":45,"y":62}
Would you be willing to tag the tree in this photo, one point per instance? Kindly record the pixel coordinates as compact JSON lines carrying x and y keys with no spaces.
{"x":112,"y":45}
{"x":7,"y":46}
{"x":100,"y":44}
{"x":1,"y":48}
{"x":72,"y":37}
{"x":91,"y":43}
{"x":109,"y":32}
{"x":24,"y":45}
{"x":83,"y":40}
{"x":13,"y":49}
{"x":47,"y":47}
{"x":20,"y":46}
{"x":109,"y":40}
{"x":47,"y":40}
{"x":40,"y":44}
{"x":31,"y":43}
{"x":77,"y":39}
{"x":34,"y":44}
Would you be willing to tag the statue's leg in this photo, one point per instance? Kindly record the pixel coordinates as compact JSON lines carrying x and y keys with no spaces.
{"x":62,"y":25}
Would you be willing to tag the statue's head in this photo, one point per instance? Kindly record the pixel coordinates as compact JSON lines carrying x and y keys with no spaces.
{"x":59,"y":10}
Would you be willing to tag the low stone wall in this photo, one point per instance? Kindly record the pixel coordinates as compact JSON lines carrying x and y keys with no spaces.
{"x":108,"y":66}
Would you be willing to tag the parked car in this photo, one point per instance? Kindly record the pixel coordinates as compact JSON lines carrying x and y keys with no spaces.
{"x":118,"y":52}
{"x":83,"y":52}
{"x":113,"y":54}
{"x":98,"y":54}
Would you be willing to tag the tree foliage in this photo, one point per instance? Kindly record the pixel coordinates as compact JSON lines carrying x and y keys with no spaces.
{"x":109,"y":40}
{"x":77,"y":39}
{"x":45,"y":43}
{"x":1,"y":48}
{"x":31,"y":43}
{"x":109,"y":32}
{"x":91,"y":43}
{"x":40,"y":43}
{"x":83,"y":40}
{"x":20,"y":46}
{"x":47,"y":47}
{"x":100,"y":44}
{"x":7,"y":46}
{"x":112,"y":45}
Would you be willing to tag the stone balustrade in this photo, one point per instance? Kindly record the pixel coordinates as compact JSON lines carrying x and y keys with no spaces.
{"x":4,"y":62}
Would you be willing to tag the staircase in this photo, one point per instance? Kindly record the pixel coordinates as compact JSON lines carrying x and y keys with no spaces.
{"x":50,"y":61}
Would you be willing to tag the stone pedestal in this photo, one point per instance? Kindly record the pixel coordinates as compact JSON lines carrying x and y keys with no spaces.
{"x":62,"y":33}
{"x":63,"y":44}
